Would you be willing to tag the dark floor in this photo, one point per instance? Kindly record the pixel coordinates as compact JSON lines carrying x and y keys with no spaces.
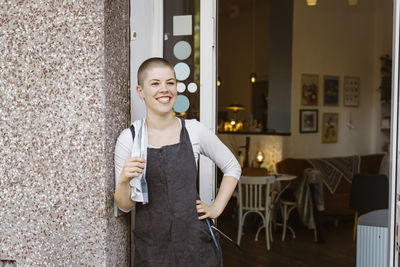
{"x":337,"y":250}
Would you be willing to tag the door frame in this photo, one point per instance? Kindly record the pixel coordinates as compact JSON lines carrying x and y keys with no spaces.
{"x":394,"y":188}
{"x":208,"y":92}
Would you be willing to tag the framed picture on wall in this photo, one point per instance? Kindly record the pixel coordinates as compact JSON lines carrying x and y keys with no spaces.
{"x":330,"y":130}
{"x":308,"y":121}
{"x":351,"y":91}
{"x":331,"y":90}
{"x":309,"y":89}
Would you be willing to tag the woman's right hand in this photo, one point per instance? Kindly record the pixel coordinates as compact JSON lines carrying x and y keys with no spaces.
{"x":132,"y":168}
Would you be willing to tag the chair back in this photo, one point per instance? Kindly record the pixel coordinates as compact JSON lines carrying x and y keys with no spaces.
{"x":254,"y":192}
{"x":369,"y":192}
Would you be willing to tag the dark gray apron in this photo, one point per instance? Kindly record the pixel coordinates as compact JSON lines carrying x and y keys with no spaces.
{"x":167,"y":229}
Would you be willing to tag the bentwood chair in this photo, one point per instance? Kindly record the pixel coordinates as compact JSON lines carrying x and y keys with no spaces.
{"x":284,"y":198}
{"x":254,"y":197}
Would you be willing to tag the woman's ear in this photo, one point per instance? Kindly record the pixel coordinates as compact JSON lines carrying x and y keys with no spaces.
{"x":139,"y":90}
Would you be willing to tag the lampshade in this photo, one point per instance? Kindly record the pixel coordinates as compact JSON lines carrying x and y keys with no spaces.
{"x":235,"y":107}
{"x":219,"y":81}
{"x":311,"y":2}
{"x":352,"y":2}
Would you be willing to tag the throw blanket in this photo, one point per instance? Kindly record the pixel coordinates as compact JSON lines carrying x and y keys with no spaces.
{"x":304,"y":199}
{"x":139,"y":190}
{"x":333,"y":169}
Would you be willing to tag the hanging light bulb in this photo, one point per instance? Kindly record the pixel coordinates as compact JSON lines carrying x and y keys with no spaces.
{"x":219,"y":81}
{"x":253,"y":58}
{"x":253,"y":77}
{"x":311,"y":2}
{"x":352,"y":2}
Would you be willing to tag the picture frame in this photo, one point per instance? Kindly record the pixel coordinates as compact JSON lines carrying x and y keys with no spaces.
{"x":308,"y":121}
{"x":331,"y":90}
{"x":351,"y":91}
{"x":309,"y":89}
{"x":330,"y":127}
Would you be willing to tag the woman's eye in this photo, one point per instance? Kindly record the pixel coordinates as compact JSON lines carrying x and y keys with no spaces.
{"x":155,"y":83}
{"x":171,"y":83}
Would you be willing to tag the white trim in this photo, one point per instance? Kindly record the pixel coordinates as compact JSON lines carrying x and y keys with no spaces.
{"x":394,"y":136}
{"x":208,"y":93}
{"x":158,"y":28}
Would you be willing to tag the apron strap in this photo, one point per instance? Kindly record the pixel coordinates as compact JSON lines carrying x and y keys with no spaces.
{"x":133,"y":132}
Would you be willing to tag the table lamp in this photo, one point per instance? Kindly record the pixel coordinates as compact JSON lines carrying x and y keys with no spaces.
{"x":260,"y":158}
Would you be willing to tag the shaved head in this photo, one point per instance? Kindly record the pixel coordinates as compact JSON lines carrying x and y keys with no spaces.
{"x":149,"y":64}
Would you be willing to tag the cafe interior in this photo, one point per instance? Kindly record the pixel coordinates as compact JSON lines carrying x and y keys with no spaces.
{"x":304,"y":98}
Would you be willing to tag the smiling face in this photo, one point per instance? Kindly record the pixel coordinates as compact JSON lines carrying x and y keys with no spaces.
{"x":158,"y":90}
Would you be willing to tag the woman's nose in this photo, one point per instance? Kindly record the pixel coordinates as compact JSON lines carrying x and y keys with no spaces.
{"x":163,"y":87}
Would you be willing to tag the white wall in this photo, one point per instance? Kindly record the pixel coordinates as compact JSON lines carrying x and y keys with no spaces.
{"x":270,"y":145}
{"x":335,"y":39}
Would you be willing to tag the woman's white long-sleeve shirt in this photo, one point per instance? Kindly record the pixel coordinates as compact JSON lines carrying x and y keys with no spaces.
{"x":204,"y":142}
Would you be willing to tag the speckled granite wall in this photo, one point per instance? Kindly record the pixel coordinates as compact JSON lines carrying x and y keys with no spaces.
{"x":63,"y":102}
{"x":117,"y":109}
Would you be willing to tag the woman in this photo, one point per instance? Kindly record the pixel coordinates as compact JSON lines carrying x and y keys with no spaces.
{"x":170,"y":230}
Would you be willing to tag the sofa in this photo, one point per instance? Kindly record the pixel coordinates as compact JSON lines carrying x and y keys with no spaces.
{"x":337,"y":203}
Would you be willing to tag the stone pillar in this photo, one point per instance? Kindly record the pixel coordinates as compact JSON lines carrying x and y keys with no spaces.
{"x":64,"y":100}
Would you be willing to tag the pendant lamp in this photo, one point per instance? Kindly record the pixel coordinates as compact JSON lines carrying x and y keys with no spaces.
{"x":253,"y":77}
{"x":352,"y":2}
{"x":311,"y":2}
{"x":253,"y":74}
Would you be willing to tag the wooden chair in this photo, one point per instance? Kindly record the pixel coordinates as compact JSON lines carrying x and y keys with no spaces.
{"x":368,"y":192}
{"x":254,"y":197}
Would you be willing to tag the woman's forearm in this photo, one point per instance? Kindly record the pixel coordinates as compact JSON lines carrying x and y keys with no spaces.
{"x":225,"y":191}
{"x":122,"y":196}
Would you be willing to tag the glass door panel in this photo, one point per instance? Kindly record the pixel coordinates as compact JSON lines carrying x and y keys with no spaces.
{"x":189,"y":45}
{"x":182,"y":49}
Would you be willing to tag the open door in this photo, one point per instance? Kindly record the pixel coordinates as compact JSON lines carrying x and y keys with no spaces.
{"x":183,"y":32}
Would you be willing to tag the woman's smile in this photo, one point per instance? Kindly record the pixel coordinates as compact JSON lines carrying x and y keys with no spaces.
{"x":164,"y":99}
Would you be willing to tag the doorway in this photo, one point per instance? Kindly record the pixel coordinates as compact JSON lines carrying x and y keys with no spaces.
{"x":339,"y":41}
{"x":290,"y":141}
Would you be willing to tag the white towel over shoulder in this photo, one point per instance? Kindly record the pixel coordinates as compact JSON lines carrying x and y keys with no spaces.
{"x":139,"y":190}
